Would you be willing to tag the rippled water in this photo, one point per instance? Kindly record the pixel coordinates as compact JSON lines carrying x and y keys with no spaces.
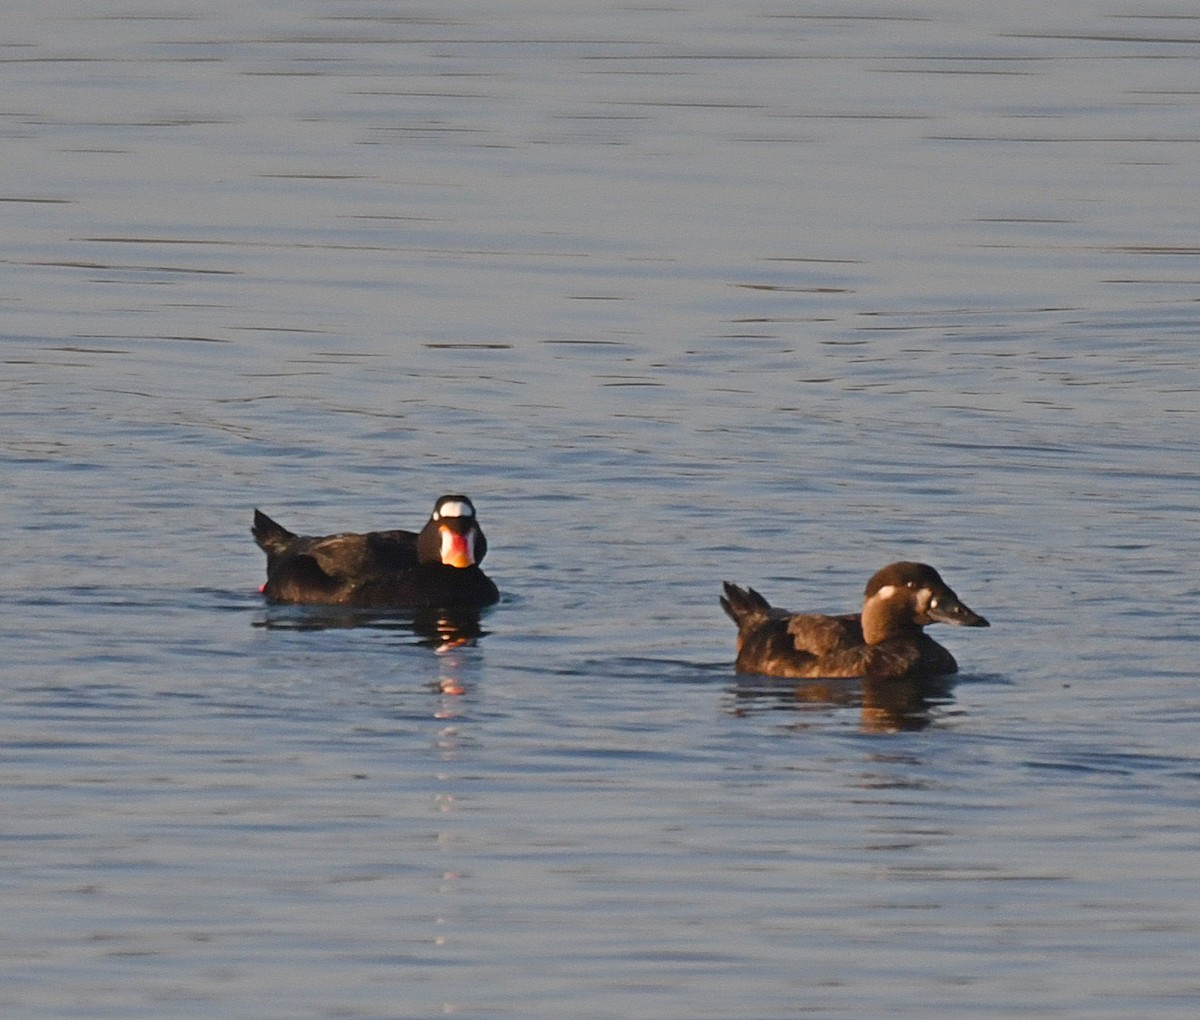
{"x":677,"y":293}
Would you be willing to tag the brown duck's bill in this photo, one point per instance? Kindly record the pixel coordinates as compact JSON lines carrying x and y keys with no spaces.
{"x":947,"y":609}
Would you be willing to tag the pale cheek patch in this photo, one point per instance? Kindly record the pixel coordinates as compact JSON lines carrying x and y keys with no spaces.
{"x":926,"y":600}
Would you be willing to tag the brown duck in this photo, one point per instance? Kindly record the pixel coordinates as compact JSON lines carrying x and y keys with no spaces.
{"x":887,"y":640}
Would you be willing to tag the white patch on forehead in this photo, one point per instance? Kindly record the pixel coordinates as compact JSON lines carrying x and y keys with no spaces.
{"x":455,"y":508}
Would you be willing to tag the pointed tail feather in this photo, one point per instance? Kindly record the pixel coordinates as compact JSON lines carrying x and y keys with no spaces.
{"x":271,"y":537}
{"x":741,"y":604}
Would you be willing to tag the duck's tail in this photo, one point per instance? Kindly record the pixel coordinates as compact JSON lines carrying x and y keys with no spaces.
{"x":743,"y":604}
{"x":271,"y":537}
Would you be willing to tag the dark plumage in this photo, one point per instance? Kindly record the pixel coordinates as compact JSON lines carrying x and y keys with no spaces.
{"x":436,"y":567}
{"x":886,"y":640}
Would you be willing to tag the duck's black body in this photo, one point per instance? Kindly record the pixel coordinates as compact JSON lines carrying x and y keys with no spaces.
{"x":437,"y":567}
{"x":886,"y":640}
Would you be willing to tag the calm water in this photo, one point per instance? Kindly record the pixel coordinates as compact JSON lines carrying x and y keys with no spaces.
{"x":773,"y":292}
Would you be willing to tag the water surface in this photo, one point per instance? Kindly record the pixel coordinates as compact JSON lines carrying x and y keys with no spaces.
{"x":677,"y":294}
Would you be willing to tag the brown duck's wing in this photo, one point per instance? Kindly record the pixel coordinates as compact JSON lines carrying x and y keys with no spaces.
{"x":823,"y":636}
{"x":780,"y":644}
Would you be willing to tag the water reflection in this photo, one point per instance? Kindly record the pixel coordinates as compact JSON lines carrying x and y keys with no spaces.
{"x":891,"y":706}
{"x":439,"y":629}
{"x":449,"y":682}
{"x":885,"y":706}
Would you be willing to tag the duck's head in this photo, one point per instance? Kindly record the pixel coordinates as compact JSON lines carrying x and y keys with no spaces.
{"x":904,"y":595}
{"x":452,"y":535}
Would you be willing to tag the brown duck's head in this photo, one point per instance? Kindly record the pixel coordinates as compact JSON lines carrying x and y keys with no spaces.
{"x":915,"y":594}
{"x":452,"y":535}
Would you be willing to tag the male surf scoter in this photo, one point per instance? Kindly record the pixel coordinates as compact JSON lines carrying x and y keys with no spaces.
{"x":887,"y":640}
{"x":437,"y":567}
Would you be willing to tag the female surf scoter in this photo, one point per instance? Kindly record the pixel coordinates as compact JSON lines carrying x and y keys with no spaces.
{"x":437,"y":567}
{"x":887,"y":640}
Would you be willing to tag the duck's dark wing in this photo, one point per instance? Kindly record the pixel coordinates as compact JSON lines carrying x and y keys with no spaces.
{"x":820,"y":636}
{"x":327,"y":568}
{"x":776,"y":642}
{"x":348,"y":555}
{"x":801,"y":646}
{"x":391,"y":551}
{"x":786,"y":645}
{"x":352,"y":557}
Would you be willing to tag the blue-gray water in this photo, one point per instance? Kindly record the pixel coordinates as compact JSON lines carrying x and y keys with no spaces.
{"x":769,"y":292}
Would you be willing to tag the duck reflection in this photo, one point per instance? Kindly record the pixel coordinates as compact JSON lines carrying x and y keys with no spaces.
{"x":449,"y":682}
{"x":885,"y":705}
{"x":443,"y":629}
{"x":893,"y":706}
{"x":439,"y":629}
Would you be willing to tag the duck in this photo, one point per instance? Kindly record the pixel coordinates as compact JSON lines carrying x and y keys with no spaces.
{"x":886,"y":641}
{"x":437,"y":567}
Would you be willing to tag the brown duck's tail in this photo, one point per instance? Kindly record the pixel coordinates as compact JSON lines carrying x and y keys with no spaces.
{"x":271,"y":537}
{"x":742,"y":604}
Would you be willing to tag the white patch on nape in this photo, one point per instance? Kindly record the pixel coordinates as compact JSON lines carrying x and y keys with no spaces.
{"x":887,"y":591}
{"x":454,"y":508}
